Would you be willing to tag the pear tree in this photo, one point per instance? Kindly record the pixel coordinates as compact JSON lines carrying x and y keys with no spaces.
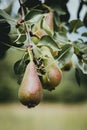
{"x":41,"y":31}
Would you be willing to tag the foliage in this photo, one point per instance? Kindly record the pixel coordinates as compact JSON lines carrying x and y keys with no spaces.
{"x":44,"y":24}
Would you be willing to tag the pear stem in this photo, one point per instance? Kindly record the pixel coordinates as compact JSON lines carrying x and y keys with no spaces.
{"x":30,"y":54}
{"x":44,"y":5}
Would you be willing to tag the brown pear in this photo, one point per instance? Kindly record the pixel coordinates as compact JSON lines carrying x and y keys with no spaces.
{"x":30,"y":92}
{"x":68,"y":66}
{"x":53,"y":76}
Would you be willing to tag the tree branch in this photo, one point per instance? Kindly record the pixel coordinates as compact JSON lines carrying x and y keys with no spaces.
{"x":22,"y":10}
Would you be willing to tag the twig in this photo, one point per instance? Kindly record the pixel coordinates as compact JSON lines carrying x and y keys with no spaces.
{"x":23,"y":19}
{"x":22,"y":10}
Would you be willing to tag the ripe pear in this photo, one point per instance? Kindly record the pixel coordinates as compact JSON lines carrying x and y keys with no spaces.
{"x":30,"y":92}
{"x":47,"y":23}
{"x":53,"y":73}
{"x":53,"y":76}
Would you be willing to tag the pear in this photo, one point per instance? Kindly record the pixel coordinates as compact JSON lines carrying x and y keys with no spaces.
{"x":47,"y":23}
{"x":68,"y":66}
{"x":30,"y":92}
{"x":45,"y":27}
{"x":53,"y":76}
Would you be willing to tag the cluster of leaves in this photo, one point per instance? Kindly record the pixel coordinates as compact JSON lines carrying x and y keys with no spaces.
{"x":44,"y":24}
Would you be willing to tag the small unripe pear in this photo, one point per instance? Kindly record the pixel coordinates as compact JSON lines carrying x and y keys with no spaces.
{"x":31,"y":92}
{"x":35,"y":39}
{"x":68,"y":66}
{"x":53,"y":77}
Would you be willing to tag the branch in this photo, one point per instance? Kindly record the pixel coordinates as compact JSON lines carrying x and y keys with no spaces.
{"x":22,"y":10}
{"x":23,"y":19}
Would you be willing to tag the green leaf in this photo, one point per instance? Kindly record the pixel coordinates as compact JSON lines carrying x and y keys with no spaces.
{"x":6,"y":16}
{"x":37,"y":52}
{"x":85,"y":58}
{"x":75,"y":24}
{"x":84,"y":34}
{"x":47,"y":23}
{"x":5,"y":43}
{"x":77,"y":75}
{"x":49,"y":42}
{"x":31,"y":3}
{"x":83,"y":66}
{"x":9,"y":8}
{"x":80,"y":47}
{"x":21,"y":39}
{"x":20,"y":79}
{"x":13,"y":34}
{"x":60,"y":9}
{"x":34,"y":16}
{"x":61,"y":39}
{"x":4,"y":26}
{"x":19,"y":67}
{"x":18,"y":35}
{"x":65,"y":55}
{"x":46,"y":28}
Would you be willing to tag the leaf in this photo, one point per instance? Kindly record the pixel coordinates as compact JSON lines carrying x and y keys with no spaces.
{"x":21,"y":39}
{"x":9,"y":8}
{"x":34,"y":16}
{"x":82,"y":66}
{"x":60,"y":9}
{"x":31,"y":3}
{"x":80,"y":47}
{"x":20,"y":79}
{"x":18,"y":35}
{"x":19,"y":67}
{"x":5,"y":42}
{"x":49,"y":42}
{"x":75,"y":24}
{"x":3,"y":50}
{"x":60,"y":38}
{"x":77,"y":75}
{"x":47,"y":23}
{"x":85,"y":58}
{"x":84,"y":34}
{"x":13,"y":34}
{"x":85,"y":19}
{"x":6,"y":16}
{"x":4,"y":26}
{"x":65,"y":55}
{"x":37,"y":52}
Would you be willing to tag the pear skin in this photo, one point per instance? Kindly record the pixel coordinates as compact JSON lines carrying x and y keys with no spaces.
{"x":31,"y":92}
{"x":53,"y":77}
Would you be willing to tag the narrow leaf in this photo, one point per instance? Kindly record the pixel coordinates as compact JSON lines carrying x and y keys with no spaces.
{"x":48,"y":41}
{"x":74,"y":25}
{"x":77,"y":75}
